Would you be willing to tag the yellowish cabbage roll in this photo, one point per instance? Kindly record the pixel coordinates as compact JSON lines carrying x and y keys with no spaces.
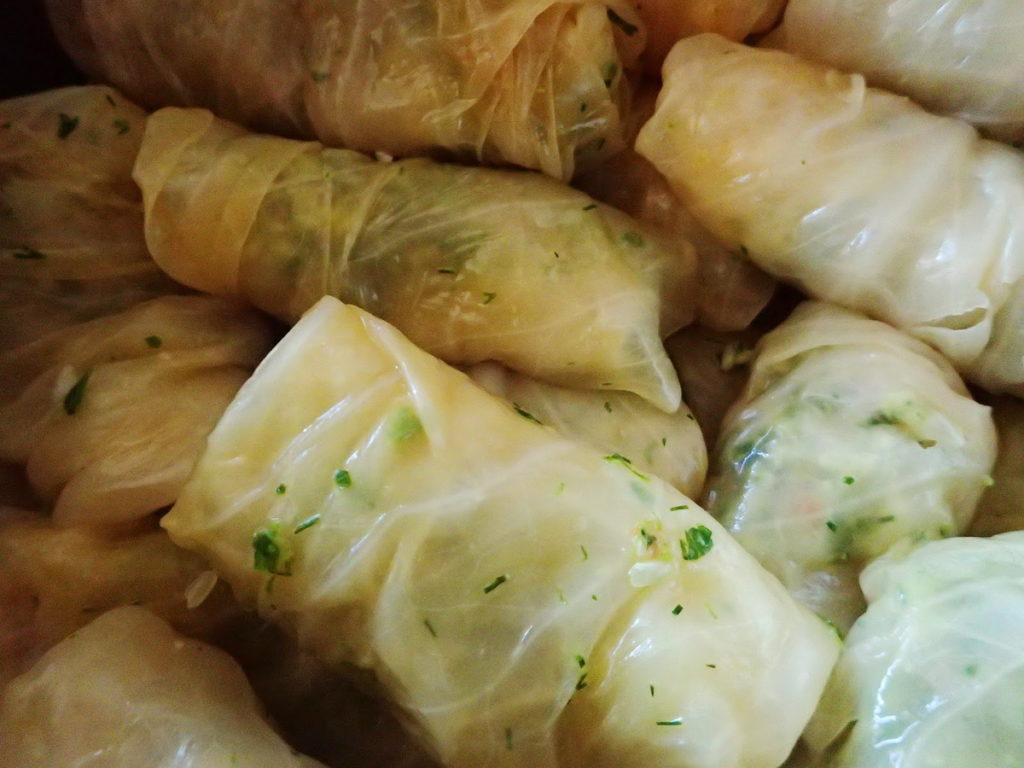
{"x":856,"y":195}
{"x":957,"y":57}
{"x":110,"y":415}
{"x":669,"y":445}
{"x":849,"y":437}
{"x":533,"y":83}
{"x":472,"y":264}
{"x":54,"y":581}
{"x":72,"y":244}
{"x":127,"y":691}
{"x":669,"y":21}
{"x":526,"y":600}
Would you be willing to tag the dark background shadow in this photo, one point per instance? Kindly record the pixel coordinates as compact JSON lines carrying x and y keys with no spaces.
{"x":30,"y":58}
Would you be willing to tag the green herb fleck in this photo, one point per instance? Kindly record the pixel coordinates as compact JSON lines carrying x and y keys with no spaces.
{"x":926,"y":443}
{"x":590,"y":207}
{"x":447,"y":271}
{"x":122,"y":126}
{"x":677,"y":610}
{"x":620,"y":459}
{"x":647,"y":538}
{"x":583,"y":107}
{"x":6,"y":125}
{"x":586,"y":555}
{"x":526,"y":414}
{"x":281,"y":489}
{"x":582,"y":662}
{"x":319,"y":77}
{"x":430,"y":627}
{"x":848,"y":480}
{"x":882,"y":417}
{"x":831,"y":526}
{"x":110,"y":99}
{"x":611,"y":69}
{"x":711,"y":666}
{"x":267,"y":552}
{"x":664,"y":442}
{"x":697,"y":543}
{"x":73,"y":398}
{"x":887,"y":519}
{"x":681,"y":506}
{"x":633,"y":239}
{"x":495,"y":584}
{"x":343,"y":478}
{"x":405,"y":425}
{"x":594,"y":598}
{"x":971,"y":670}
{"x":489,"y":297}
{"x":28,"y":253}
{"x":607,"y":406}
{"x":309,"y":522}
{"x":561,"y":597}
{"x":581,"y":682}
{"x":621,"y":23}
{"x":67,"y":125}
{"x":677,"y":721}
{"x":154,"y":342}
{"x":652,"y":690}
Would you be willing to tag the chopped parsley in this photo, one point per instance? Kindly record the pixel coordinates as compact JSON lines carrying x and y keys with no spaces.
{"x":430,"y":627}
{"x":110,"y":99}
{"x":446,"y":271}
{"x":281,"y":490}
{"x":648,"y":539}
{"x":882,"y":417}
{"x":122,"y":127}
{"x":677,"y":721}
{"x":681,"y":506}
{"x":633,"y":239}
{"x":154,"y":342}
{"x":971,"y":670}
{"x":592,"y":206}
{"x":405,"y":425}
{"x":28,"y":253}
{"x":607,"y":406}
{"x":652,"y":690}
{"x":489,"y":297}
{"x":309,"y":522}
{"x":495,"y":584}
{"x":697,"y":543}
{"x":581,"y":682}
{"x":664,"y":442}
{"x":926,"y":443}
{"x":526,"y":414}
{"x":677,"y":610}
{"x":848,"y":480}
{"x":66,"y":126}
{"x":831,"y":526}
{"x":343,"y":478}
{"x":621,"y":23}
{"x":620,"y":459}
{"x":586,"y":555}
{"x":75,"y":395}
{"x":267,"y":552}
{"x":580,"y":661}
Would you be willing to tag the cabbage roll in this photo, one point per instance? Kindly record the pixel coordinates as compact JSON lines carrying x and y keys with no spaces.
{"x":668,"y":21}
{"x":731,"y":290}
{"x":54,"y":581}
{"x":72,"y":244}
{"x":669,"y":445}
{"x":856,"y":195}
{"x":1000,"y":510}
{"x":957,"y":57}
{"x":127,"y":691}
{"x":849,"y":436}
{"x":932,"y":673}
{"x":109,"y":416}
{"x":532,"y":83}
{"x":471,"y":264}
{"x":526,"y":600}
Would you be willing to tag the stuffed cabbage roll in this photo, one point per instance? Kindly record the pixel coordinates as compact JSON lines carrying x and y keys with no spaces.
{"x":957,"y":57}
{"x":668,"y":21}
{"x":526,"y":600}
{"x":932,"y":673}
{"x":72,"y":244}
{"x":857,"y":195}
{"x":54,"y":581}
{"x":533,"y":83}
{"x":110,"y":416}
{"x":472,"y":264}
{"x":669,"y":445}
{"x":731,"y":290}
{"x":127,"y":691}
{"x":1000,"y":510}
{"x":849,"y":437}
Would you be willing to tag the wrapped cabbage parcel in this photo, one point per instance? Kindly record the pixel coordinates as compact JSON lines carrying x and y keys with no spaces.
{"x":110,"y":415}
{"x":669,"y":445}
{"x":957,"y":57}
{"x":127,"y":691}
{"x":857,"y":195}
{"x":669,"y":21}
{"x":526,"y":600}
{"x":54,"y":581}
{"x":849,"y":437}
{"x":932,"y":674}
{"x":472,"y":264}
{"x":72,"y":244}
{"x":533,"y":83}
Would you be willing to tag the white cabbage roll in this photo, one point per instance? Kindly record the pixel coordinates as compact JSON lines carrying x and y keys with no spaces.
{"x":72,"y":244}
{"x":669,"y":445}
{"x":533,"y":83}
{"x":1000,"y":509}
{"x":668,"y":21}
{"x":712,"y":369}
{"x":526,"y":600}
{"x":957,"y":57}
{"x":472,"y":264}
{"x":731,"y":291}
{"x":849,"y":437}
{"x":127,"y":691}
{"x":856,"y":195}
{"x":932,"y":673}
{"x":56,"y":580}
{"x":109,"y":416}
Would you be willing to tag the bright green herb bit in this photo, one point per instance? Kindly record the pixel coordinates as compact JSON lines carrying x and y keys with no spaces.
{"x":66,"y":126}
{"x":495,"y":584}
{"x":697,"y":543}
{"x":343,"y":478}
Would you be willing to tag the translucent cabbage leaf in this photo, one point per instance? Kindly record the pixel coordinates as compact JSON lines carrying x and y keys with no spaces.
{"x":1000,"y":509}
{"x":731,"y":290}
{"x":472,"y":264}
{"x":669,"y":21}
{"x":110,"y":415}
{"x":72,"y":244}
{"x":127,"y":691}
{"x":957,"y":57}
{"x":932,"y":673}
{"x":526,"y":600}
{"x":856,"y":195}
{"x":849,"y":437}
{"x":533,"y":83}
{"x":669,"y":445}
{"x":54,"y":581}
